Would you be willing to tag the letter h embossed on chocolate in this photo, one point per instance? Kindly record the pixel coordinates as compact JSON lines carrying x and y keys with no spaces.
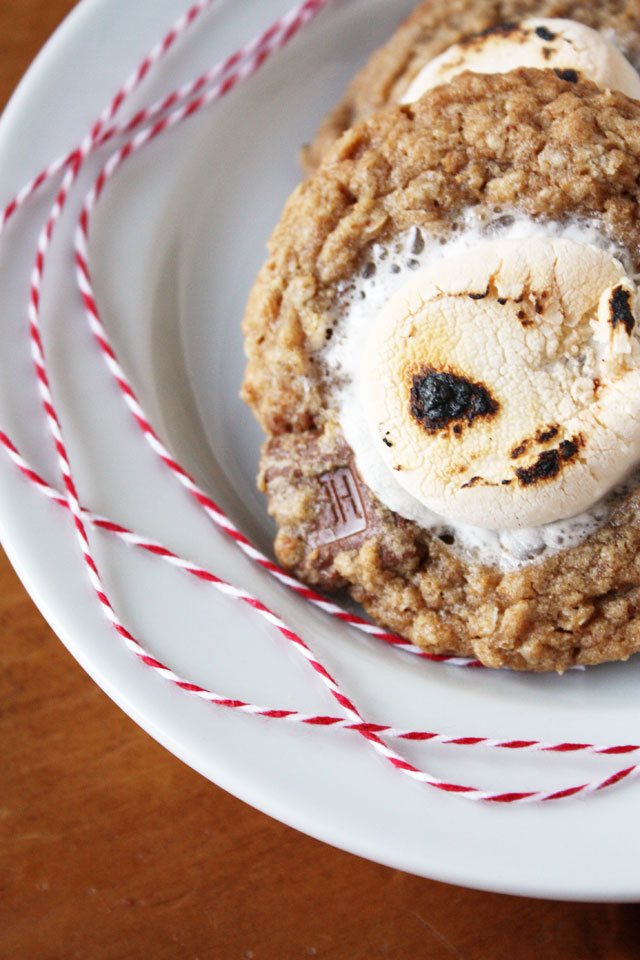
{"x":342,"y":512}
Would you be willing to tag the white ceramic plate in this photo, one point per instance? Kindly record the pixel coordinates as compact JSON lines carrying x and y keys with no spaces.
{"x":176,"y":244}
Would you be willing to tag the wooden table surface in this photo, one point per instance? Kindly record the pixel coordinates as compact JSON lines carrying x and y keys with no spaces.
{"x":111,"y":848}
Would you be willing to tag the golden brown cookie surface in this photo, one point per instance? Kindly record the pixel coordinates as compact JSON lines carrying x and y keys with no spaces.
{"x":527,"y":142}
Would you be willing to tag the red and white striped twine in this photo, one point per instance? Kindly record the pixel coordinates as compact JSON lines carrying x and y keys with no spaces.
{"x":150,"y":123}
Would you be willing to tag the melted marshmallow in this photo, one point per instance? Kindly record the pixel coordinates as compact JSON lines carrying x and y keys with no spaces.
{"x":502,"y":385}
{"x":384,"y":275}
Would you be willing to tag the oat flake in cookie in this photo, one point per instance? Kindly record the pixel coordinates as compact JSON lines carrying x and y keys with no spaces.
{"x":484,"y":159}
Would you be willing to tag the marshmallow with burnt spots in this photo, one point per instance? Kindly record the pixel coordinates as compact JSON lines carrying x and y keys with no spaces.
{"x":572,"y":49}
{"x":502,"y":386}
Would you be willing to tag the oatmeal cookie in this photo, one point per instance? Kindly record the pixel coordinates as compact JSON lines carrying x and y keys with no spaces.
{"x":526,"y":141}
{"x":437,"y":24}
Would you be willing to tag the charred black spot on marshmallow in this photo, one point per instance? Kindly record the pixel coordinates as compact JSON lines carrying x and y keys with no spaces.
{"x":519,"y":450}
{"x":502,"y":301}
{"x":620,"y":310}
{"x":545,"y":34}
{"x":480,"y":296}
{"x":471,"y":483}
{"x":568,"y":449}
{"x":549,"y":463}
{"x":503,"y":29}
{"x":437,"y":398}
{"x":546,"y":467}
{"x":543,"y":436}
{"x":386,"y":440}
{"x":571,"y":76}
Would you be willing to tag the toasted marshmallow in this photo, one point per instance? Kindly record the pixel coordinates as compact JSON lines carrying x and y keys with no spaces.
{"x":573,"y":50}
{"x":502,"y":386}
